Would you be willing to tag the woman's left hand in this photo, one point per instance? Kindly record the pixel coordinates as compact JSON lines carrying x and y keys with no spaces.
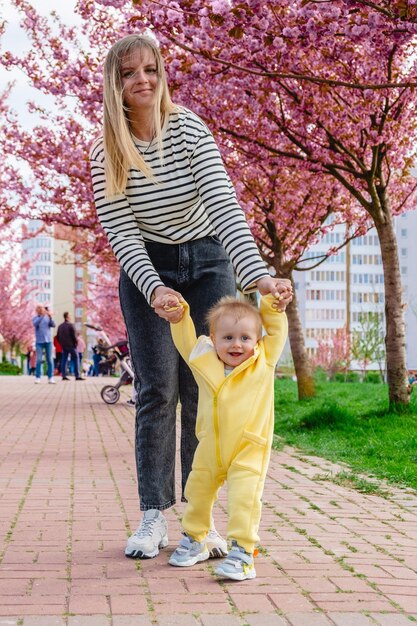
{"x":280,"y":288}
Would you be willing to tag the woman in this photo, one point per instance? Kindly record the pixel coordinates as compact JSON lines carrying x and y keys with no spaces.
{"x":171,"y":216}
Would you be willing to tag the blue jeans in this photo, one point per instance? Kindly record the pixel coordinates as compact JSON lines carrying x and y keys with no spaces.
{"x":40,"y":347}
{"x":72,"y":352}
{"x":96,"y":362}
{"x":201,"y":271}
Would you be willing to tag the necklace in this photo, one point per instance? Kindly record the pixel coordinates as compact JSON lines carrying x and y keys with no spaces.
{"x":140,"y":148}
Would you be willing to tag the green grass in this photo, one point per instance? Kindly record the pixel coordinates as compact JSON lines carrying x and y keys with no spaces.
{"x":350,"y":423}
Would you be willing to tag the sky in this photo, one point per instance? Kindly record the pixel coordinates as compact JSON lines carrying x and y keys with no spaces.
{"x":16,"y":41}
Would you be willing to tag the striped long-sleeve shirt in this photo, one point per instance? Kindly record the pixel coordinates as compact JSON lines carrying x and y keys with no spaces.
{"x":193,"y":198}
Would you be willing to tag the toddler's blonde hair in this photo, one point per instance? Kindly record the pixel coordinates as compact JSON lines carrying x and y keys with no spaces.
{"x":235,"y":308}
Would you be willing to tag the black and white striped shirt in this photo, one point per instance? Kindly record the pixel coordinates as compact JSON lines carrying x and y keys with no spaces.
{"x":193,"y":198}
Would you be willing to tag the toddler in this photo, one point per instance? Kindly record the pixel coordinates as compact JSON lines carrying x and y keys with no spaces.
{"x":234,"y":369}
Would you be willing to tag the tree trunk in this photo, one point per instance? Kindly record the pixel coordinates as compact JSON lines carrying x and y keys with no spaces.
{"x":394,"y":314}
{"x":303,"y":370}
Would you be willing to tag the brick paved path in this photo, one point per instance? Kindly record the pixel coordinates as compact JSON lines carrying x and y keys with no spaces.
{"x":68,"y":501}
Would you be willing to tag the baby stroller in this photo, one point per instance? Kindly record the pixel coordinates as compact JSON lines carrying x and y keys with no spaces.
{"x":113,"y":353}
{"x":120,"y":352}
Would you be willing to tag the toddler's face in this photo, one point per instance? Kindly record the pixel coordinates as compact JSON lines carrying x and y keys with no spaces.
{"x":235,"y":341}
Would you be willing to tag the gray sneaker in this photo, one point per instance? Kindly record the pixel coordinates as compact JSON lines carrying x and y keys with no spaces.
{"x":216,"y":545}
{"x":189,"y":552}
{"x":148,"y":537}
{"x":239,"y":565}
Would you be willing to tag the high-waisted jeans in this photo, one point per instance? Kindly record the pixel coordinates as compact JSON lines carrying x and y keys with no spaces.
{"x":201,"y":271}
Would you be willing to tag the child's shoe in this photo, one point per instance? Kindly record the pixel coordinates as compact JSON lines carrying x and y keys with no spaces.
{"x":216,"y":545}
{"x":239,"y":565}
{"x":189,"y":552}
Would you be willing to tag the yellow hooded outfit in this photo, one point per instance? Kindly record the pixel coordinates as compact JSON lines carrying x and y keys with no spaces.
{"x":234,"y":427}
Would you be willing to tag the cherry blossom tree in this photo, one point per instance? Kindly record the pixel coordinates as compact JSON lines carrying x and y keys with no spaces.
{"x":16,"y":305}
{"x":323,"y":86}
{"x":60,"y":171}
{"x":327,"y":85}
{"x":334,"y":354}
{"x":102,"y":302}
{"x":289,"y":210}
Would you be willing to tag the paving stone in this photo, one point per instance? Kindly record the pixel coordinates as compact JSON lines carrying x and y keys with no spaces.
{"x":391,"y":620}
{"x":179,"y":620}
{"x":221,"y":620}
{"x":68,"y":485}
{"x":312,"y":619}
{"x":124,"y":605}
{"x":89,"y":605}
{"x":265,"y":620}
{"x":44,"y":620}
{"x":351,"y":619}
{"x":90,"y":620}
{"x":132,"y":620}
{"x":252,"y":603}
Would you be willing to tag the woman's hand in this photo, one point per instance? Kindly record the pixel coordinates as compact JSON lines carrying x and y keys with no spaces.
{"x":167,"y":304}
{"x":280,"y":288}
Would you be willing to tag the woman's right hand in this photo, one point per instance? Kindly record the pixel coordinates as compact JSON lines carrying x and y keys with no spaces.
{"x":159,"y":301}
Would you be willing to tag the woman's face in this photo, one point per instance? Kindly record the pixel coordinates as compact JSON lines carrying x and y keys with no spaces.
{"x":139,"y":79}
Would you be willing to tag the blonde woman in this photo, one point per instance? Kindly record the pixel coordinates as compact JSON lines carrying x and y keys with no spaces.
{"x":172,"y":219}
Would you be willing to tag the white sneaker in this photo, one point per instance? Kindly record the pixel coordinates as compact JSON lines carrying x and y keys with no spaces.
{"x":37,"y":381}
{"x":148,"y":537}
{"x":52,"y":381}
{"x":216,"y":545}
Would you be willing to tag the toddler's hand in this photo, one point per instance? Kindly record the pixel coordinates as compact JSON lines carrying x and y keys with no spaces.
{"x":280,"y":303}
{"x":170,"y":303}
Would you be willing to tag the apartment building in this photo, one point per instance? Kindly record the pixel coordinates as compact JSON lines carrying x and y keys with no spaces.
{"x":348,"y":285}
{"x":57,"y":275}
{"x":406,"y":227}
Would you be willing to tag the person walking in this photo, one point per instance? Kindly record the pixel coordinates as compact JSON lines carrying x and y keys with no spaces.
{"x":43,"y":323}
{"x":32,"y":361}
{"x":80,"y":349}
{"x":171,"y":216}
{"x":68,"y":340}
{"x":235,"y":369}
{"x":58,"y":355}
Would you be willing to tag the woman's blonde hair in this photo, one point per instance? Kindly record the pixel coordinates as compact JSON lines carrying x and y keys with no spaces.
{"x":235,"y":308}
{"x":120,"y":150}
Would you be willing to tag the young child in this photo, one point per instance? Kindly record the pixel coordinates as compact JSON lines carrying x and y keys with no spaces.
{"x":234,"y":369}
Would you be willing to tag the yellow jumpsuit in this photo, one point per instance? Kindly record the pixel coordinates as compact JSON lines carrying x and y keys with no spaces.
{"x":234,"y":427}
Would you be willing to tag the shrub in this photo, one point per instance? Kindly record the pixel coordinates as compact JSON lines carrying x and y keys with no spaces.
{"x":372,"y":377}
{"x":8,"y":369}
{"x":352,"y":377}
{"x":338,"y":377}
{"x":320,"y":375}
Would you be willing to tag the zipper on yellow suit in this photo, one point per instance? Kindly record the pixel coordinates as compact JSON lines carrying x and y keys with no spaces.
{"x":216,"y":430}
{"x":216,"y":410}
